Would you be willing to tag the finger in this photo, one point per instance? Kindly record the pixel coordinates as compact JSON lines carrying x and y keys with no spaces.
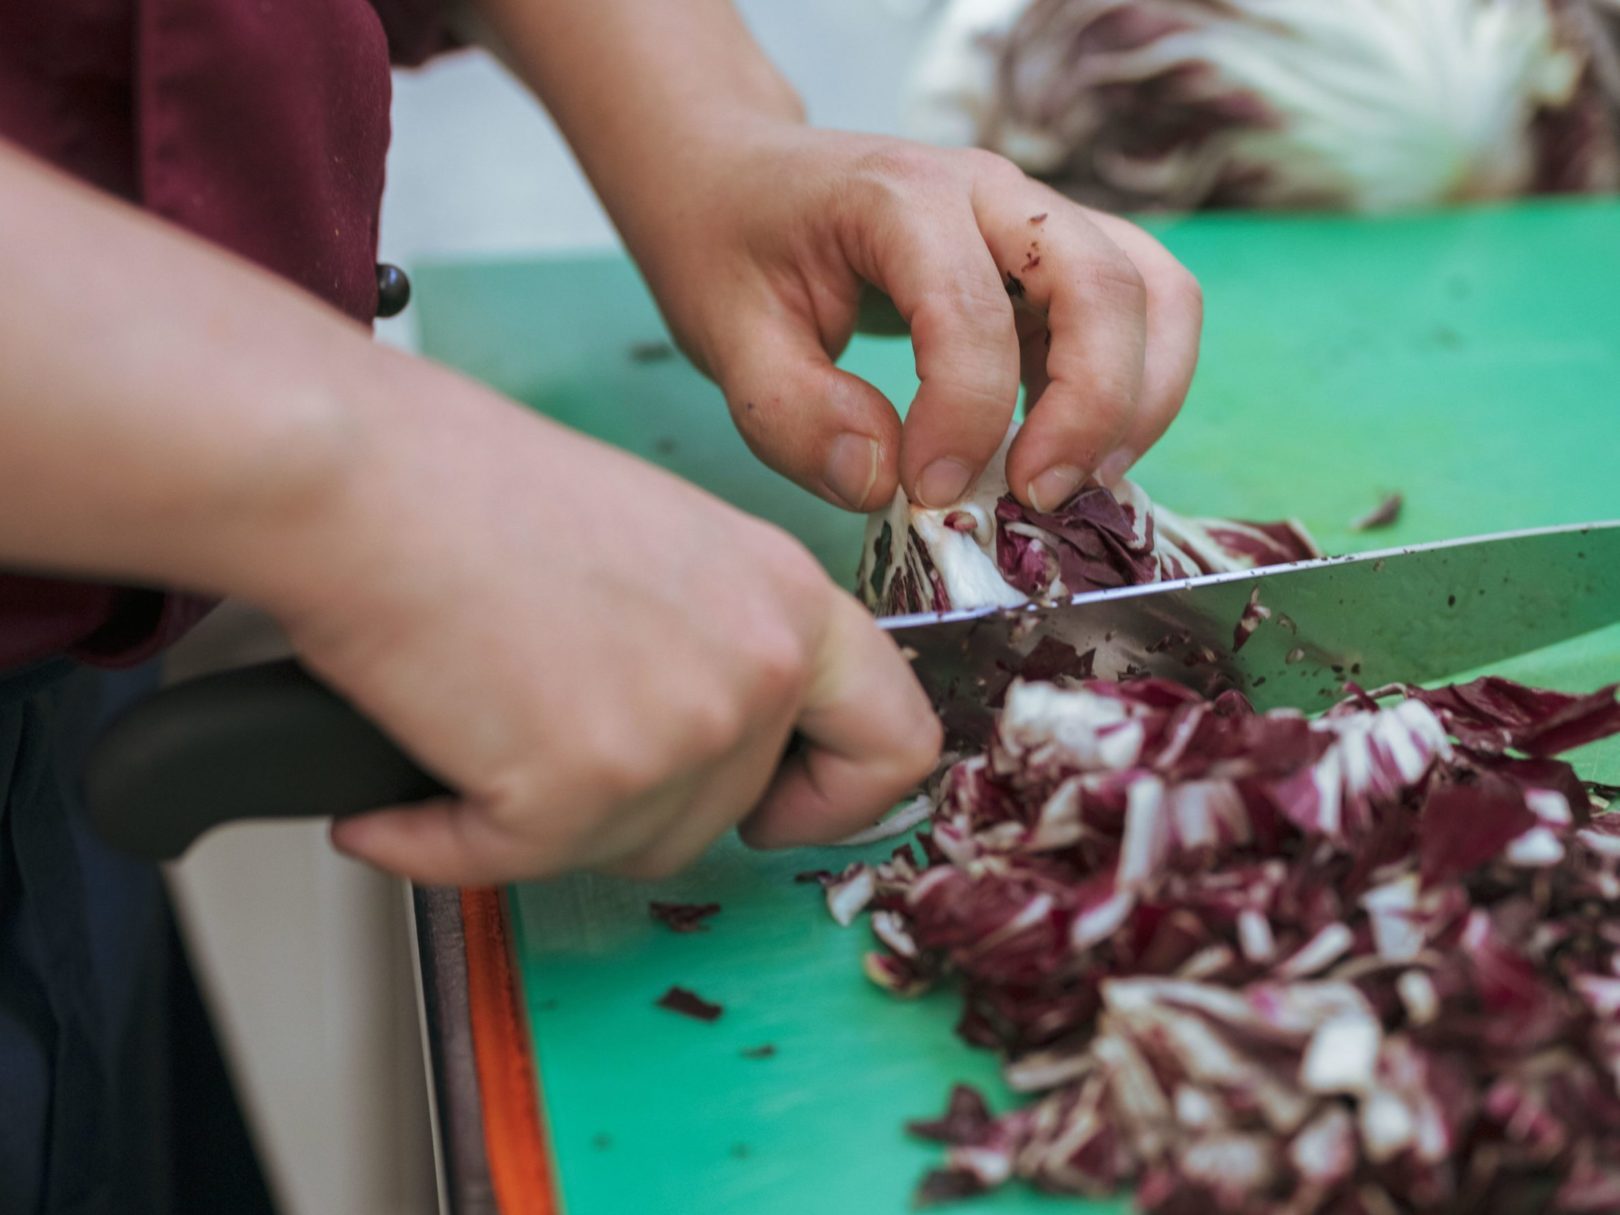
{"x":1175,"y":321}
{"x":732,"y":789}
{"x":440,"y":842}
{"x":1034,"y":340}
{"x":1095,"y":303}
{"x":869,"y":736}
{"x":829,"y":431}
{"x":932,"y":262}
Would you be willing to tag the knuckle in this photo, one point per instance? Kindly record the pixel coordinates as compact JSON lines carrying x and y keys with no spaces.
{"x":775,"y":616}
{"x":1119,"y":280}
{"x":1181,"y":290}
{"x":712,"y":722}
{"x":1095,"y":404}
{"x":611,"y":766}
{"x":990,"y":166}
{"x":964,"y":313}
{"x":766,"y":435}
{"x":747,"y":415}
{"x":508,"y":800}
{"x":898,"y":163}
{"x":794,"y":573}
{"x":520,"y":812}
{"x":778,"y":662}
{"x":922,"y":748}
{"x":887,"y":181}
{"x":1174,"y":289}
{"x":773,"y":643}
{"x":1109,"y":403}
{"x":1091,"y":412}
{"x":987,"y":302}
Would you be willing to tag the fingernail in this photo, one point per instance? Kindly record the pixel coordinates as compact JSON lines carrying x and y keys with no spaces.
{"x":852,"y":468}
{"x":1054,"y":487}
{"x":943,"y":482}
{"x":1115,"y":467}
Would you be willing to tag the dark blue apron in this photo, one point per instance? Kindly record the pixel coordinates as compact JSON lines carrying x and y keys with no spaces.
{"x":83,"y":971}
{"x":114,"y":1099}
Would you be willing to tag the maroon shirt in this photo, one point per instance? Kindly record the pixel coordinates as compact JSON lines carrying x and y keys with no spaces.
{"x":261,"y":125}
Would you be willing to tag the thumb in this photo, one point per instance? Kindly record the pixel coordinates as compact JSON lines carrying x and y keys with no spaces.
{"x":869,"y":736}
{"x":823,"y":428}
{"x":439,"y":842}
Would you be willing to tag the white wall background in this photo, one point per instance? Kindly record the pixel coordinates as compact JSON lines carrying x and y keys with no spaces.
{"x":478,"y":168}
{"x":303,"y":955}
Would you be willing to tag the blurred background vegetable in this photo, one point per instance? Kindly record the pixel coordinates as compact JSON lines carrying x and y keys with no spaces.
{"x":1361,"y":105}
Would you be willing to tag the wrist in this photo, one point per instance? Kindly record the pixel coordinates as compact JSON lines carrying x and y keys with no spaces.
{"x":643,"y":92}
{"x":302,"y":461}
{"x":670,"y":178}
{"x":353,"y":538}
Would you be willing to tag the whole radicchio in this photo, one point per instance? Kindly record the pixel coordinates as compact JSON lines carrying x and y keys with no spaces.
{"x":1129,"y":104}
{"x":989,"y":550}
{"x":1267,"y":964}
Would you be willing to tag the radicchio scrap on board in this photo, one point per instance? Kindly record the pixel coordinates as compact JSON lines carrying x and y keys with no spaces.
{"x":1361,"y":964}
{"x":989,"y":550}
{"x":683,"y":917}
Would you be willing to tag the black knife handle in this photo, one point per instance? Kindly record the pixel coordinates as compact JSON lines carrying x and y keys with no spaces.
{"x":267,"y":741}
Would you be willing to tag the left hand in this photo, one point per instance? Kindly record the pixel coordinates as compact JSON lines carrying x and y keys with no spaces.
{"x":759,"y":251}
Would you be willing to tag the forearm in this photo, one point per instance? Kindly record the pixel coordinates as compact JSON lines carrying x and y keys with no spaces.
{"x":164,"y":407}
{"x":638,"y":87}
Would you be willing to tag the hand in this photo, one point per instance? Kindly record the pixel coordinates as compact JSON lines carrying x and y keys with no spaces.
{"x":606,"y":662}
{"x":759,"y":245}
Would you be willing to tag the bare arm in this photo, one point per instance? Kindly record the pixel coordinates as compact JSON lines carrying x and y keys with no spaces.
{"x":168,"y":410}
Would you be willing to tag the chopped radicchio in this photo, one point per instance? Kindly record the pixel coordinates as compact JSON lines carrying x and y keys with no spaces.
{"x":1254,"y":615}
{"x":1496,"y":714}
{"x":1268,"y":964}
{"x":989,"y":550}
{"x":902,"y":820}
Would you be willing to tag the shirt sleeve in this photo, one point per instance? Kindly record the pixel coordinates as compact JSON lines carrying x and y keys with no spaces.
{"x":417,"y":30}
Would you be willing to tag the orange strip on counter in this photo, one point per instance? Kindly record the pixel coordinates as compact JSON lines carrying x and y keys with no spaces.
{"x":514,"y":1136}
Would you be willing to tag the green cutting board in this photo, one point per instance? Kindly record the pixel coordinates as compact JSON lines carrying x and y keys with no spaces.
{"x":1469,"y":360}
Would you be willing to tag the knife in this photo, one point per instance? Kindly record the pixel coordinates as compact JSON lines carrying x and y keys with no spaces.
{"x":272,"y":742}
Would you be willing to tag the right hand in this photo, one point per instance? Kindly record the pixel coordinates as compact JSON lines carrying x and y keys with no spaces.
{"x":606,"y":662}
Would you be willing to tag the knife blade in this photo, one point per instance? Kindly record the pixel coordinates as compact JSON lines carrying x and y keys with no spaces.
{"x":272,"y":741}
{"x":1409,"y":614}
